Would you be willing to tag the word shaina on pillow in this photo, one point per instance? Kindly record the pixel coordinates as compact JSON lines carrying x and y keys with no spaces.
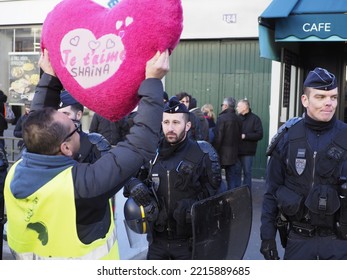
{"x":100,"y":54}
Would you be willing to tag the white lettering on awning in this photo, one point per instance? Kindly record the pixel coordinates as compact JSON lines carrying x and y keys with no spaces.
{"x":317,"y":27}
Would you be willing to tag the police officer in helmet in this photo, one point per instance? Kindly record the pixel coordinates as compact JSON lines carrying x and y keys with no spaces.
{"x":306,"y":175}
{"x":92,"y":145}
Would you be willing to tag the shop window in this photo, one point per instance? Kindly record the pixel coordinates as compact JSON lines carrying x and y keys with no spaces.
{"x":27,"y":39}
{"x":19,"y":57}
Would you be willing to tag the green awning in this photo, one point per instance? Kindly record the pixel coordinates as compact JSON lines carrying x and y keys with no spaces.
{"x":267,"y":45}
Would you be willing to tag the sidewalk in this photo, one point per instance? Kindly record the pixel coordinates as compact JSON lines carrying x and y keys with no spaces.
{"x":252,"y":252}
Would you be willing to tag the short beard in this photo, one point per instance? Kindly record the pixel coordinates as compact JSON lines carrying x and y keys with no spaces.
{"x":180,"y":138}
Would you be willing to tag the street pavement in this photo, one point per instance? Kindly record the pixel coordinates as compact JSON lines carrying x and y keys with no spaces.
{"x":252,"y":252}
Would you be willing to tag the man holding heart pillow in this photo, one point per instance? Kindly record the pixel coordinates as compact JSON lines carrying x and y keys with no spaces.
{"x":66,"y":204}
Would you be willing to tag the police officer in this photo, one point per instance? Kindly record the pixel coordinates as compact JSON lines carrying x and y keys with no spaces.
{"x":305,"y":179}
{"x":93,"y":145}
{"x":185,"y":172}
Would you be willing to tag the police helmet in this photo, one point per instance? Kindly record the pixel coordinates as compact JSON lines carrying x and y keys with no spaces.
{"x":135,"y":216}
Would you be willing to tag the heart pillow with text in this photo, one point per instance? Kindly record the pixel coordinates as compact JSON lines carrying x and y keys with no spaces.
{"x":99,"y":54}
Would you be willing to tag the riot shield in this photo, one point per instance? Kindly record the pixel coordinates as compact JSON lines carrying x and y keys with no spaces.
{"x":222,"y":225}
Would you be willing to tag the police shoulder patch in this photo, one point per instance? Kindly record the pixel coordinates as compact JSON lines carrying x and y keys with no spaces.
{"x":280,"y":133}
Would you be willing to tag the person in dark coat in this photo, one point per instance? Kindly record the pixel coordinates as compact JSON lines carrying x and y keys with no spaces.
{"x":110,"y":130}
{"x":252,"y":132}
{"x":227,"y":140}
{"x":17,"y":132}
{"x":126,"y":123}
{"x":92,"y":145}
{"x":3,"y":165}
{"x":3,"y":122}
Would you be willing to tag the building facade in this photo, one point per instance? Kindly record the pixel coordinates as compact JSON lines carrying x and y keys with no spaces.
{"x":218,"y":55}
{"x":299,"y":35}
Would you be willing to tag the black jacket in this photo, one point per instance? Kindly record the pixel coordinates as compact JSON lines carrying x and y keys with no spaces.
{"x":253,"y":130}
{"x":227,"y":136}
{"x":279,"y":170}
{"x":185,"y":176}
{"x":17,"y":132}
{"x":3,"y":122}
{"x":110,"y":130}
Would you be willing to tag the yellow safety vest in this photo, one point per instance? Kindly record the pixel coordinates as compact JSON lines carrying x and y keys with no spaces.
{"x":43,"y":225}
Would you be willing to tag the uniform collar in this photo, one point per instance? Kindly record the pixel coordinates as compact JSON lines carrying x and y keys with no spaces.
{"x":319,"y":125}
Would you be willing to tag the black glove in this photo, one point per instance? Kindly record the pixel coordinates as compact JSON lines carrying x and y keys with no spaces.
{"x":139,"y":192}
{"x":142,"y":197}
{"x":151,"y":211}
{"x":269,"y":249}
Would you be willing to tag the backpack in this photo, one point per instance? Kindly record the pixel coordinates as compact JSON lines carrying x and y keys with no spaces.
{"x":8,"y":113}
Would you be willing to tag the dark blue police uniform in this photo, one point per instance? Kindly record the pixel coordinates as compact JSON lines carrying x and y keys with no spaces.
{"x":305,"y":180}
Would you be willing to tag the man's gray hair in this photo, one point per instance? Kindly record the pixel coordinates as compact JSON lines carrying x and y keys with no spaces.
{"x":230,"y":101}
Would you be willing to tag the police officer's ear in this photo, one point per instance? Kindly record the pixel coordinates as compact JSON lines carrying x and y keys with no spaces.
{"x":79,"y":115}
{"x":304,"y":100}
{"x":66,"y":148}
{"x":188,"y":126}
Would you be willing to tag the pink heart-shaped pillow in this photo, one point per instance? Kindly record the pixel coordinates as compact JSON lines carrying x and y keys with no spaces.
{"x":100,"y":54}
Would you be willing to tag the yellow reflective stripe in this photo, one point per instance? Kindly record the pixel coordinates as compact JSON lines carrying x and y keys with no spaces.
{"x":96,"y":254}
{"x":144,"y":229}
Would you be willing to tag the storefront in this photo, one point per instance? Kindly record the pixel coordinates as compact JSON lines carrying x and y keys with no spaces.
{"x":218,"y":56}
{"x":22,"y":48}
{"x":20,"y":34}
{"x":302,"y":35}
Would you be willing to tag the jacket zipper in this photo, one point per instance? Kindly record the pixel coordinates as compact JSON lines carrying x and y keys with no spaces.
{"x":307,"y":215}
{"x":169,"y":229}
{"x":314,"y":167}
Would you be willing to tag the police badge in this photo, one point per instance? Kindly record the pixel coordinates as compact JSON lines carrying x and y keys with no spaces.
{"x":300,"y":161}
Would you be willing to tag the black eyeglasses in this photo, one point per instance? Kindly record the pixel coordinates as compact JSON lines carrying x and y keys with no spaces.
{"x":77,"y":129}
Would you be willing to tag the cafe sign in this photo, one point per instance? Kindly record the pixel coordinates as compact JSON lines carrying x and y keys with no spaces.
{"x":330,"y":27}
